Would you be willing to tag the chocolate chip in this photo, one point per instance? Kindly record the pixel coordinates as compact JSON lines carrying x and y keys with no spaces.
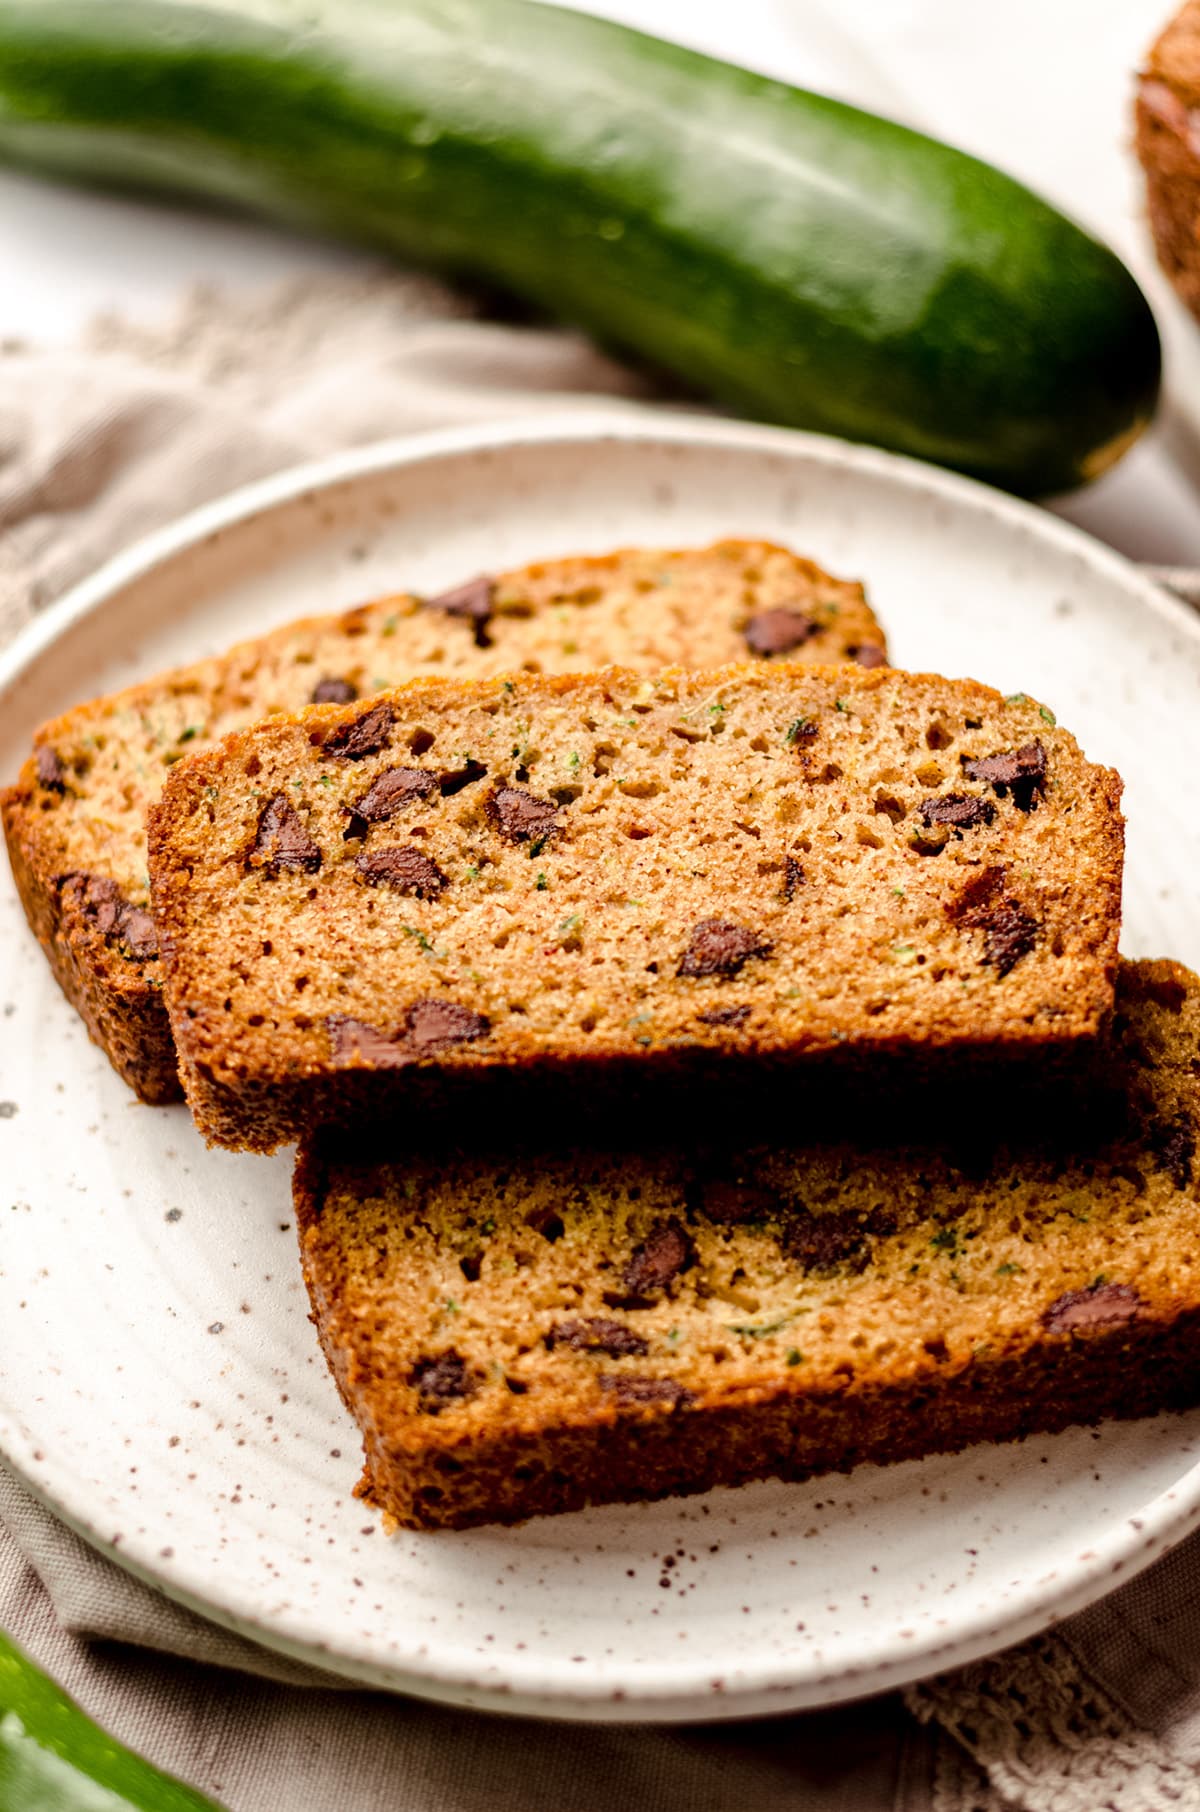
{"x":112,"y":916}
{"x":453,"y":780}
{"x":731,"y":1203}
{"x":1021,"y":771}
{"x":597,"y":1335}
{"x":724,"y":1016}
{"x":828,"y":1242}
{"x":334,"y":692}
{"x":429,"y":1026}
{"x":870,"y":654}
{"x":281,"y":840}
{"x":637,"y":1391}
{"x":388,"y":794}
{"x":441,"y":1380}
{"x":718,"y":947}
{"x":666,"y":1251}
{"x":364,"y":736}
{"x":793,"y":877}
{"x":403,"y":868}
{"x":1174,"y":1148}
{"x":961,"y":811}
{"x":474,"y":601}
{"x":1009,"y":932}
{"x":522,"y":817}
{"x":50,"y":771}
{"x":436,"y":1025}
{"x":354,"y":1043}
{"x":778,"y":632}
{"x":1008,"y":935}
{"x":1102,"y":1306}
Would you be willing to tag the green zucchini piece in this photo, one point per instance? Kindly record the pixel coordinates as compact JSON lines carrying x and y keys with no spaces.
{"x":53,"y":1758}
{"x":794,"y":259}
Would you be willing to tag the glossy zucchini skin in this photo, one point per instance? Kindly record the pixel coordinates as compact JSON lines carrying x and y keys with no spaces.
{"x":793,"y":259}
{"x":54,"y":1759}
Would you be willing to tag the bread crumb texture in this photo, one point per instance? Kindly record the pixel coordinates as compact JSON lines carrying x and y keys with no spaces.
{"x":550,"y":1328}
{"x":1168,"y":146}
{"x":75,"y":820}
{"x":767,"y":859}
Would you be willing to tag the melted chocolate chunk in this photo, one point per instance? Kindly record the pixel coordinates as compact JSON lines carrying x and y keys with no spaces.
{"x":355,"y":1044}
{"x":1174,"y":1148}
{"x":961,"y":811}
{"x":334,"y":692}
{"x":719,"y":947}
{"x":50,"y":771}
{"x":666,"y":1251}
{"x":429,"y":1026}
{"x":403,"y":868}
{"x":453,"y":780}
{"x":442,"y":1380}
{"x":730,"y":1203}
{"x":724,"y":1016}
{"x":112,"y":916}
{"x":522,"y":817}
{"x":365,"y":736}
{"x":1104,"y":1305}
{"x":870,"y":654}
{"x":472,"y":601}
{"x":389,"y":793}
{"x":437,"y":1025}
{"x":778,"y":632}
{"x":793,"y":877}
{"x":828,"y":1242}
{"x":1009,"y":932}
{"x":634,"y":1392}
{"x":597,"y":1335}
{"x":281,"y":840}
{"x":1019,"y":771}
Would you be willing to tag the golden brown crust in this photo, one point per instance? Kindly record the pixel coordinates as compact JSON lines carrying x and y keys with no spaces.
{"x":554,"y":1327}
{"x":121,"y":1007}
{"x":784,"y":863}
{"x":650,"y":607}
{"x":1167,"y":120}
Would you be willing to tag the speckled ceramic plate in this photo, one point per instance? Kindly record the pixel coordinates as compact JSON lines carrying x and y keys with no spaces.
{"x":159,"y":1382}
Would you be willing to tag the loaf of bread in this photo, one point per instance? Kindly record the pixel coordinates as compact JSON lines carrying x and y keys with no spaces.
{"x":75,"y":820}
{"x":546,"y":1328}
{"x":1168,"y":145}
{"x":610,"y":880}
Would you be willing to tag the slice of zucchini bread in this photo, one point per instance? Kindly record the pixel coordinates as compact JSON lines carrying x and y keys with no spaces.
{"x":1168,"y":145}
{"x":600,"y":878}
{"x":75,"y":820}
{"x":548,"y":1328}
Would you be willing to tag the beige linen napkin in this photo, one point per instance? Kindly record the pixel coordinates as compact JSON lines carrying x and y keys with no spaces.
{"x":98,"y":445}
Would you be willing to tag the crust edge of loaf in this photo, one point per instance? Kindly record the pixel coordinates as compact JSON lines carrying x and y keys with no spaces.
{"x":124,"y":1016}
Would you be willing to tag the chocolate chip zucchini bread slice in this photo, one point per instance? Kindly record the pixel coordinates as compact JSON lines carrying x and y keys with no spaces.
{"x":1168,"y":146}
{"x":75,"y":820}
{"x":545,"y":1328}
{"x":585,"y":880}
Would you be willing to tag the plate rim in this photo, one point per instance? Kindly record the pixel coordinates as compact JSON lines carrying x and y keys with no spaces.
{"x":776,"y":1686}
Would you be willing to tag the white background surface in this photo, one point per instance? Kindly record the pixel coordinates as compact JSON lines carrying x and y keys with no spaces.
{"x":1042,"y":87}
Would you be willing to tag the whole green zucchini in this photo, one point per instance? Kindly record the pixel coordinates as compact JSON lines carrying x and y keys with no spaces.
{"x":54,"y":1759}
{"x":796,"y":260}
